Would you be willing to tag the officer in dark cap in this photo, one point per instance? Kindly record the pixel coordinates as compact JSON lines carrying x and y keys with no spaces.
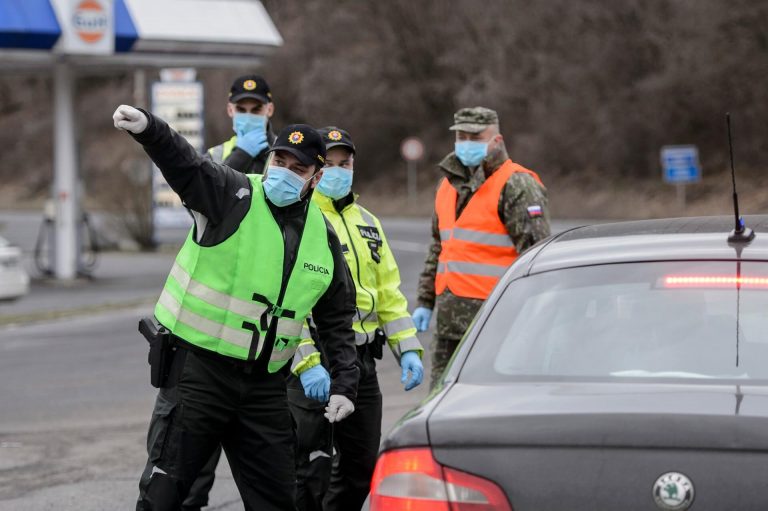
{"x":382,"y":319}
{"x":258,"y":262}
{"x":250,"y":107}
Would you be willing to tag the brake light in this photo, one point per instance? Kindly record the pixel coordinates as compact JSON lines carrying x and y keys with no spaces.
{"x":411,"y":480}
{"x":716,"y":281}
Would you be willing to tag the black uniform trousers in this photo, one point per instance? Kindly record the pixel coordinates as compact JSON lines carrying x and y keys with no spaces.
{"x":314,"y":447}
{"x":341,"y":482}
{"x":198,"y":493}
{"x":219,"y":402}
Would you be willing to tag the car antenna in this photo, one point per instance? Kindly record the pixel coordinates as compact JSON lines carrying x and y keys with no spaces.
{"x":740,"y":233}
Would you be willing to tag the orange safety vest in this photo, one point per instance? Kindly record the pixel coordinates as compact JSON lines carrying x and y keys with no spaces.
{"x":476,"y":247}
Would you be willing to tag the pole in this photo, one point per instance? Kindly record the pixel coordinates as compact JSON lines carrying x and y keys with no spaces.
{"x":65,"y":172}
{"x":140,"y":88}
{"x":140,"y":100}
{"x":681,"y":197}
{"x":412,"y":185}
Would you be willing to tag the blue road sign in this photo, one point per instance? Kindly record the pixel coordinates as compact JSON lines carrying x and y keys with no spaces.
{"x":680,"y":164}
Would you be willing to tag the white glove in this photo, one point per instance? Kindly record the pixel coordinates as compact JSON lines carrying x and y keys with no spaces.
{"x":130,"y":119}
{"x":338,"y":408}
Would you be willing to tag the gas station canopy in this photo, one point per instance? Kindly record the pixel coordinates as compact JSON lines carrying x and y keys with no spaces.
{"x":30,"y":24}
{"x":210,"y":33}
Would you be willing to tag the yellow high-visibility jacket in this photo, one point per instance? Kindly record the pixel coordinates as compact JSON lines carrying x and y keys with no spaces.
{"x":380,"y":304}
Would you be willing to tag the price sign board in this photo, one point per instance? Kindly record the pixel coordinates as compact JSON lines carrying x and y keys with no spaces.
{"x":180,"y":104}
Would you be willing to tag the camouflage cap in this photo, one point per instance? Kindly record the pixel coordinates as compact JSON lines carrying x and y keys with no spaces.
{"x":474,"y":120}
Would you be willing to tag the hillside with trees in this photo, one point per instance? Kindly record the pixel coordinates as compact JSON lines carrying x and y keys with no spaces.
{"x":587,"y":93}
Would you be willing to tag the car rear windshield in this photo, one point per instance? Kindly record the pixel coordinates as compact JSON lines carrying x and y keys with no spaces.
{"x":665,"y":320}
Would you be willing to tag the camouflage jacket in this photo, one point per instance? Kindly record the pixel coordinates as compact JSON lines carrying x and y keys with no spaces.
{"x":520,"y":192}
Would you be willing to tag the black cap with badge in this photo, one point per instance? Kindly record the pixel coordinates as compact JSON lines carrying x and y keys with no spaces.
{"x":336,"y":137}
{"x":302,"y":141}
{"x":250,"y":86}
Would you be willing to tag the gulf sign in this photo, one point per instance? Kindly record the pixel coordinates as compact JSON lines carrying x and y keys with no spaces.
{"x":90,"y":21}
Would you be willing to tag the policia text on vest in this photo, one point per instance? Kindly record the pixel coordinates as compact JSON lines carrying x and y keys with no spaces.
{"x":235,"y":303}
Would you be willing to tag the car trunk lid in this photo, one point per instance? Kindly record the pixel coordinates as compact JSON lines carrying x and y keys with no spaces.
{"x":604,"y":446}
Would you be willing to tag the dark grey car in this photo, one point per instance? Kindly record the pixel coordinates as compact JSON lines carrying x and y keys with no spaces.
{"x":614,"y":367}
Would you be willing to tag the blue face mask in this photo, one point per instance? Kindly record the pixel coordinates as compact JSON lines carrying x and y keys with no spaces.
{"x":471,"y":153}
{"x":282,"y":186}
{"x":336,"y":182}
{"x":244,"y":123}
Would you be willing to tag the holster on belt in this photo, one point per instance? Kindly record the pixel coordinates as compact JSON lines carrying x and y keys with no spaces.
{"x":161,"y":351}
{"x":376,"y":346}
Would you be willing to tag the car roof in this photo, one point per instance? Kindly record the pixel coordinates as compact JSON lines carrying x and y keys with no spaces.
{"x":669,"y":239}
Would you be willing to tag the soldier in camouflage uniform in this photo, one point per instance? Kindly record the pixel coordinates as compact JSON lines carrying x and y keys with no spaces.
{"x":522,"y":209}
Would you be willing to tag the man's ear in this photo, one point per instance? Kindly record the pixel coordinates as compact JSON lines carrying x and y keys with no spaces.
{"x":316,"y":178}
{"x":270,"y":109}
{"x":230,"y":110}
{"x":497,"y":140}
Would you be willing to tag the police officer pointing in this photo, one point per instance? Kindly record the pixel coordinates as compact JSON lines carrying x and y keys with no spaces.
{"x":258,"y":261}
{"x":250,"y":107}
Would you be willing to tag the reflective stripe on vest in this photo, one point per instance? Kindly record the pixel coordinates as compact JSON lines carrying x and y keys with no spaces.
{"x":397,"y":325}
{"x":476,"y":249}
{"x":305,"y":350}
{"x":285,"y":327}
{"x":365,"y":330}
{"x":211,"y":328}
{"x":221,"y":152}
{"x":223,"y":298}
{"x":393,"y":327}
{"x":485,"y":270}
{"x":363,"y":338}
{"x":484,"y":238}
{"x":367,"y":217}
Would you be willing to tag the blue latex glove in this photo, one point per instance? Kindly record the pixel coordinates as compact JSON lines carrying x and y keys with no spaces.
{"x":316,"y":382}
{"x":411,"y":362}
{"x":253,"y":142}
{"x":421,"y":317}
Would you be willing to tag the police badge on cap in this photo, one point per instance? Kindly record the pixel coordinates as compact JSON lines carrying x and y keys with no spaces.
{"x":302,"y":141}
{"x":250,"y":86}
{"x":336,"y":137}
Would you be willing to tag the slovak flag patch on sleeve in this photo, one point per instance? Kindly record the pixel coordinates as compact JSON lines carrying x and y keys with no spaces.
{"x":534,"y":211}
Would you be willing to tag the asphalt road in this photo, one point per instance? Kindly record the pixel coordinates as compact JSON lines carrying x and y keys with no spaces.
{"x":76,"y":400}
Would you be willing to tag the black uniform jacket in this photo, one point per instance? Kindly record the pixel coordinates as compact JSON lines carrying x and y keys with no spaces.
{"x":219,"y":198}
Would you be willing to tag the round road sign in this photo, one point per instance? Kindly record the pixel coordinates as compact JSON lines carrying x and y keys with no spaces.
{"x":412,"y":149}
